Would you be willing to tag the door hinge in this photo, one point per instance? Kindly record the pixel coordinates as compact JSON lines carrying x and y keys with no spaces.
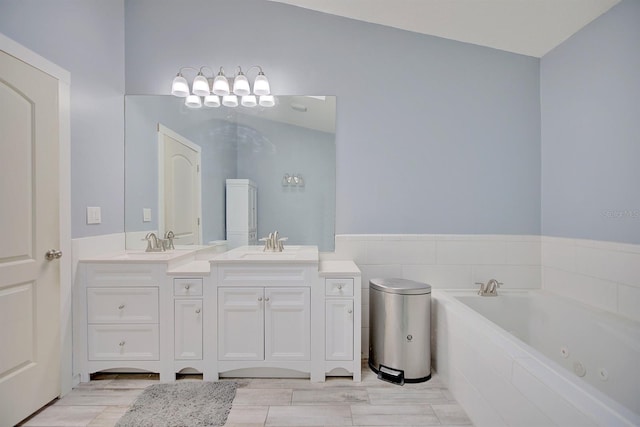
{"x":198,"y":221}
{"x":198,"y":168}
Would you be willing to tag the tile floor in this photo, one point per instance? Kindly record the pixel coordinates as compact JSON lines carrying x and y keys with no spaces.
{"x":274,"y":402}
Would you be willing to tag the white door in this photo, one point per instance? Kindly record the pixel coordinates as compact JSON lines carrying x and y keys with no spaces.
{"x":240,"y":324}
{"x":287,"y":324}
{"x":188,"y":329}
{"x":180,"y":190}
{"x":339,"y":329}
{"x":29,"y":227}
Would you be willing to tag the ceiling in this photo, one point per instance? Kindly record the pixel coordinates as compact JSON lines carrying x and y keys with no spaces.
{"x":527,"y":27}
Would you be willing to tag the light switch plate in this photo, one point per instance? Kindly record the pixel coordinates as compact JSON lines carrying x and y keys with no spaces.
{"x":146,"y":214}
{"x":94,"y":215}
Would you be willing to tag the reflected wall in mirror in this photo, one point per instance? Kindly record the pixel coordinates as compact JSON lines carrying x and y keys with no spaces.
{"x":294,"y":138}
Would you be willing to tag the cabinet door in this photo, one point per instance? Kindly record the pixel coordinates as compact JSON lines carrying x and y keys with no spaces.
{"x":188,"y":329}
{"x":339,"y":329}
{"x":240,"y":324}
{"x":287,"y":324}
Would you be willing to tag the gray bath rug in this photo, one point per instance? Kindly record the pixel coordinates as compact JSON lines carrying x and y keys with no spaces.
{"x":181,"y":404}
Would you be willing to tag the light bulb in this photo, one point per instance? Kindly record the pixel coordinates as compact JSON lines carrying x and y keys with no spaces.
{"x":193,"y":101}
{"x":249,"y":101}
{"x":212,"y":101}
{"x":261,"y":85}
{"x":230,"y":101}
{"x":221,"y":85}
{"x":241,"y":85}
{"x":200,"y":85}
{"x":180,"y":87}
{"x":267,"y":101}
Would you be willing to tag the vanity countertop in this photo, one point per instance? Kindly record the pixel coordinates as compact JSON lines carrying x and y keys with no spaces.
{"x":332,"y":268}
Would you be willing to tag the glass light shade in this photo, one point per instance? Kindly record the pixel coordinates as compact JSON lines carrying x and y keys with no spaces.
{"x":193,"y":101}
{"x":180,"y":87}
{"x":241,"y":85}
{"x":230,"y":101}
{"x":261,"y":85}
{"x":201,"y":86}
{"x":212,"y":101}
{"x":221,"y":85}
{"x":267,"y":101}
{"x":249,"y":101}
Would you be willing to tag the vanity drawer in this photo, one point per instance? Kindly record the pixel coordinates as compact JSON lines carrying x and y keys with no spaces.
{"x":339,"y":287}
{"x":123,"y":342}
{"x":186,"y":287}
{"x":122,"y":305}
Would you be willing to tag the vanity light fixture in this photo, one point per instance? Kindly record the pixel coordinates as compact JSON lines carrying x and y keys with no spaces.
{"x":292,"y":180}
{"x":207,"y":90}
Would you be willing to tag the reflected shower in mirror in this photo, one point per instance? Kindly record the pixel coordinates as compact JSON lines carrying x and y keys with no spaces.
{"x":177,"y":161}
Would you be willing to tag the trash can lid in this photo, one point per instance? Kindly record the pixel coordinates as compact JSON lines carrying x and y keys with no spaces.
{"x":400,"y":286}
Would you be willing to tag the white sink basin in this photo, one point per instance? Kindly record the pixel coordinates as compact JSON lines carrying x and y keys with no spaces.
{"x":256,"y":254}
{"x":268,"y":255}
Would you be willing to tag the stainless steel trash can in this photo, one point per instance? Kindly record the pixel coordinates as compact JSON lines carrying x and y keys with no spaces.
{"x":400,"y":330}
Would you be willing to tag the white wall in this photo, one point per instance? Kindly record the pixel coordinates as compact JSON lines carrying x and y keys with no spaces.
{"x":432,"y":135}
{"x":86,"y":37}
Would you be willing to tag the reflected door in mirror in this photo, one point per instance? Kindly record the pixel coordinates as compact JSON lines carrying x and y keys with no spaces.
{"x":180,"y":200}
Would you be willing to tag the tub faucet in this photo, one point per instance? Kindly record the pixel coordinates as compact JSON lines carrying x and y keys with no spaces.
{"x":490,"y":289}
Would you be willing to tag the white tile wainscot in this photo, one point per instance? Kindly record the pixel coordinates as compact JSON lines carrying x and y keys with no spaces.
{"x":445,"y":261}
{"x":605,"y":275}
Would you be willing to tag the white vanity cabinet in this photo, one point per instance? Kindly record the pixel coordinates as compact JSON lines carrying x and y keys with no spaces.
{"x":264,"y":323}
{"x":118,"y":317}
{"x":188,"y":318}
{"x":339,"y":318}
{"x":269,"y":318}
{"x":241,"y":313}
{"x":342,"y":289}
{"x":242,"y":212}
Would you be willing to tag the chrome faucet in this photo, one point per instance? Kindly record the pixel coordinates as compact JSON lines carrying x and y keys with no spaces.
{"x":167,"y":243}
{"x":490,"y":289}
{"x":153,"y":244}
{"x":273,"y":243}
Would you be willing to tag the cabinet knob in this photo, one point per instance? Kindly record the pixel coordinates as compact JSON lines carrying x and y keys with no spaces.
{"x":266,"y":299}
{"x":186,"y":287}
{"x":259,"y":298}
{"x":340,"y":287}
{"x":349,"y":311}
{"x":121,"y":306}
{"x":197,"y":311}
{"x":121,"y":344}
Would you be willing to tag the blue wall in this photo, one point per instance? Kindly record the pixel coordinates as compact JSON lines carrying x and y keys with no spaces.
{"x":85,"y":37}
{"x":433,"y":136}
{"x":590,"y":103}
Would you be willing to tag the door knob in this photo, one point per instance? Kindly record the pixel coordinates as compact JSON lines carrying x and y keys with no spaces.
{"x":52,"y":254}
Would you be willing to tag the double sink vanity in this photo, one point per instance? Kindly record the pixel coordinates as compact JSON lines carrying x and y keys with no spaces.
{"x":243,"y":312}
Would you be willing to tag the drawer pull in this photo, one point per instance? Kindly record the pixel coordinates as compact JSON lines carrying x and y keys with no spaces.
{"x":197,"y":311}
{"x":187,"y":286}
{"x":121,"y":344}
{"x":121,"y":306}
{"x":340,"y":287}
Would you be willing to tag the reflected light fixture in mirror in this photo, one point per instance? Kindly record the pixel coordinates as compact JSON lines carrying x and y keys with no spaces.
{"x":207,"y":90}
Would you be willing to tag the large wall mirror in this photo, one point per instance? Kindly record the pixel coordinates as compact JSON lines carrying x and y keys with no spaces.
{"x":288,"y":150}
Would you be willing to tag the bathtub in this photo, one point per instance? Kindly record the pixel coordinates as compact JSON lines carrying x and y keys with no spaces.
{"x":531,"y":358}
